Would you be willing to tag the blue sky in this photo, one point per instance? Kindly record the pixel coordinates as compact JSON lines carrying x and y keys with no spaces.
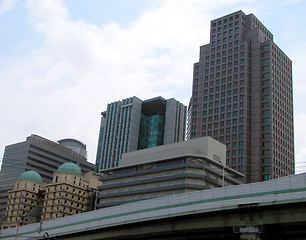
{"x":61,"y":61}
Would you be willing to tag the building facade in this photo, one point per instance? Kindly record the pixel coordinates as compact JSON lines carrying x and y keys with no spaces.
{"x":133,"y":124}
{"x":37,"y":154}
{"x":167,"y":170}
{"x":23,"y":198}
{"x":74,"y":145}
{"x":71,"y":192}
{"x":242,"y":96}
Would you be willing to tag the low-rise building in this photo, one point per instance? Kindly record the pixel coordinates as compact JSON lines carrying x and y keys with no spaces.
{"x":71,"y":192}
{"x":31,"y":199}
{"x":40,"y":155}
{"x":23,"y":198}
{"x":166,"y":170}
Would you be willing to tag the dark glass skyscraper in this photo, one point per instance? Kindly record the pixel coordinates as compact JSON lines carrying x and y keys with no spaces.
{"x":242,"y":97}
{"x":133,"y":124}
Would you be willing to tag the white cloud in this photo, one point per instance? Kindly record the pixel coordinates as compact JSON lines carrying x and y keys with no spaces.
{"x":59,"y":90}
{"x":7,"y":5}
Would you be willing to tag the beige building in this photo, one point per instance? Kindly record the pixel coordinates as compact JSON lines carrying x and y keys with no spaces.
{"x":40,"y":155}
{"x":23,"y":198}
{"x":71,"y":192}
{"x":166,"y":170}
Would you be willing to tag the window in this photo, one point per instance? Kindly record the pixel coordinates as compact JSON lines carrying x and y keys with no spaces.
{"x":267,"y":177}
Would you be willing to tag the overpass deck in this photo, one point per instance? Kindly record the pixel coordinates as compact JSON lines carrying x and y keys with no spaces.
{"x":98,"y":224}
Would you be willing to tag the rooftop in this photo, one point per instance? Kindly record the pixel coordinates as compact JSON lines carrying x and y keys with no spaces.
{"x":31,"y":175}
{"x":69,"y":167}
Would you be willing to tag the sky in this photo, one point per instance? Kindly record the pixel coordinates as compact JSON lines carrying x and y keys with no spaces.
{"x":62,"y":61}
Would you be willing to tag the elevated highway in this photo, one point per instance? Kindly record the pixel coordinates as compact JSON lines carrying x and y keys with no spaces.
{"x":274,"y":209}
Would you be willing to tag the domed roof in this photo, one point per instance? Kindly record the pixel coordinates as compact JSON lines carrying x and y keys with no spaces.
{"x":69,"y":167}
{"x":31,"y":175}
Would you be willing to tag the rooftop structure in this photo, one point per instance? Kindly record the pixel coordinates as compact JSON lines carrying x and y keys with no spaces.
{"x":76,"y":145}
{"x":31,"y":175}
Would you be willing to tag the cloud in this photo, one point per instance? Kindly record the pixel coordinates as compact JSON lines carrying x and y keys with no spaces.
{"x":7,"y":5}
{"x":59,"y":90}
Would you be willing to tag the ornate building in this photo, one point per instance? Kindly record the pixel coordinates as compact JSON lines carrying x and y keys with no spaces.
{"x":40,"y":155}
{"x":24,"y":197}
{"x":71,"y":192}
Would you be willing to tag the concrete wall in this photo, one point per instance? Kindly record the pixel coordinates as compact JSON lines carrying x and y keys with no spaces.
{"x":205,"y":146}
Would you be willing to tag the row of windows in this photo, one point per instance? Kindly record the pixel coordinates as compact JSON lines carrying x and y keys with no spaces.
{"x":222,"y":123}
{"x":224,"y":66}
{"x":225,"y":60}
{"x":222,"y":115}
{"x":225,"y":39}
{"x":217,"y":102}
{"x":225,"y":20}
{"x":143,"y":187}
{"x":225,"y":47}
{"x":144,"y":177}
{"x":222,"y":130}
{"x":224,"y":108}
{"x":223,"y":94}
{"x":135,"y":198}
{"x":234,"y":160}
{"x":225,"y":33}
{"x":228,"y":72}
{"x":222,"y":81}
{"x":222,"y":138}
{"x":224,"y":53}
{"x":240,"y":168}
{"x":234,"y":153}
{"x":15,"y":149}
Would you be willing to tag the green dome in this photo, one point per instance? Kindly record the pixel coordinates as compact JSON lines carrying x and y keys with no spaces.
{"x":31,"y":175}
{"x":69,"y":167}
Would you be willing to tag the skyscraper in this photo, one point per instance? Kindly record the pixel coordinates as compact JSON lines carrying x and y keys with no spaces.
{"x":242,"y":97}
{"x":133,"y":124}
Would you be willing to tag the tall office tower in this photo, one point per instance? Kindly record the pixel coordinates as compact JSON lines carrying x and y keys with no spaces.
{"x":242,"y":97}
{"x":133,"y":124}
{"x":37,"y":154}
